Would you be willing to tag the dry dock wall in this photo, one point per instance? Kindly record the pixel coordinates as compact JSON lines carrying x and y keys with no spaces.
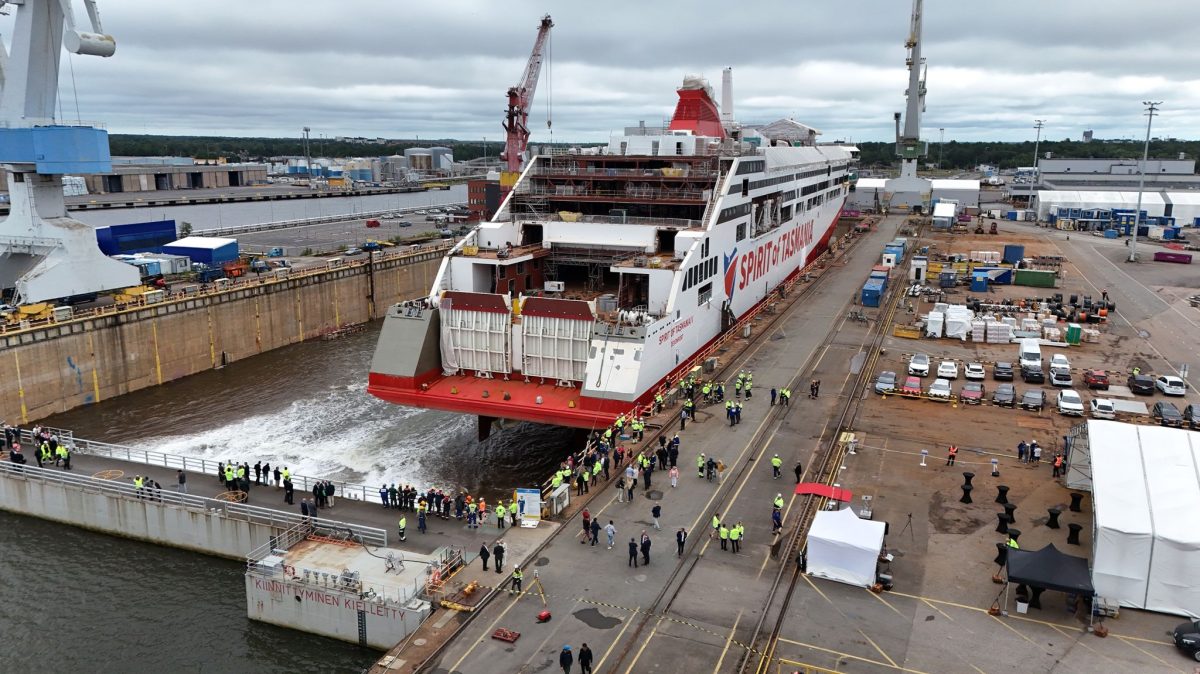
{"x":200,"y":530}
{"x":58,"y":367}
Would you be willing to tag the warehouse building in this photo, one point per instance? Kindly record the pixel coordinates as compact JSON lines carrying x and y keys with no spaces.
{"x":872,"y":193}
{"x":1098,"y":175}
{"x":155,"y":176}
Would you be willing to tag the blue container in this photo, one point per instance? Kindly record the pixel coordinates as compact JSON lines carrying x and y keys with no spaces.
{"x":149,"y":267}
{"x":1010,"y":215}
{"x":1110,"y":233}
{"x":979,"y":283}
{"x":872,"y":293}
{"x":138,"y":237}
{"x":879,"y":275}
{"x":898,"y":251}
{"x":1013,"y":253}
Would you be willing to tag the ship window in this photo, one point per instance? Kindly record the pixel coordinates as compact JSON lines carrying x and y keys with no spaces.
{"x":745,"y":187}
{"x":654,"y":147}
{"x":637,"y":356}
{"x":741,"y":232}
{"x":705,"y":293}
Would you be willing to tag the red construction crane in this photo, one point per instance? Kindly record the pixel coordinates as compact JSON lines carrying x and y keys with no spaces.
{"x":520,"y":98}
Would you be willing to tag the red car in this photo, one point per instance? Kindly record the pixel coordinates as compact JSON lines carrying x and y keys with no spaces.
{"x":912,"y":387}
{"x":1096,"y":379}
{"x":971,"y":393}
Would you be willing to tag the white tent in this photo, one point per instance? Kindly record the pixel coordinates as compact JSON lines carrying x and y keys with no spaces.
{"x":1047,"y":200}
{"x":1185,"y":207}
{"x":844,"y":548}
{"x":1146,"y":489}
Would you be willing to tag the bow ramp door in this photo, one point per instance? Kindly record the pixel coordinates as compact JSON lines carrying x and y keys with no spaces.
{"x":555,"y":337}
{"x":476,"y":332}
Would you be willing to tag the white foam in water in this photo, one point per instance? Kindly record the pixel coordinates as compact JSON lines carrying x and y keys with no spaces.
{"x":346,"y":435}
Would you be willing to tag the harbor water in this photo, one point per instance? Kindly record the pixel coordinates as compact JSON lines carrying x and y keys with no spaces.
{"x":78,"y":601}
{"x":306,"y":407}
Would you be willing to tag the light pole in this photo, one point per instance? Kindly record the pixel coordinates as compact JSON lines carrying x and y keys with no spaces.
{"x":1037,"y":124}
{"x":307,"y":156}
{"x":941,"y":141}
{"x":1151,"y":108}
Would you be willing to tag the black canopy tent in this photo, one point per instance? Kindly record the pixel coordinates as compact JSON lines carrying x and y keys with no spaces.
{"x":1049,"y":569}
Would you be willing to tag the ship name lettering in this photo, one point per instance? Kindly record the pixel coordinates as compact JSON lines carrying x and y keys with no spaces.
{"x":675,"y":330}
{"x":769,"y":254}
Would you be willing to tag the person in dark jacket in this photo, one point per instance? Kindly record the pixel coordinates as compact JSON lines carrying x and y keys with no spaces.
{"x":498,"y":554}
{"x":566,"y":659}
{"x":585,"y":659}
{"x":484,"y":555}
{"x":645,"y":548}
{"x":633,"y":553}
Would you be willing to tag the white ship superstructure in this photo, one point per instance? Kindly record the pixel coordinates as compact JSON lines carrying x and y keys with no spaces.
{"x":606,"y":269}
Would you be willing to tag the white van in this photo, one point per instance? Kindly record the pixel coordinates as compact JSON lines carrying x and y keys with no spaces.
{"x":1029,"y":353}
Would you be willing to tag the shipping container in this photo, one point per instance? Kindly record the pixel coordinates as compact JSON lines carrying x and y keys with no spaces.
{"x":872,"y":292}
{"x":996,"y":275}
{"x":204,"y":249}
{"x":148,"y":267}
{"x":137,"y":237}
{"x":1035,"y":277}
{"x":979,"y":282}
{"x":879,"y":271}
{"x":1179,"y":258}
{"x":171,"y":264}
{"x":1110,"y":233}
{"x":1013,"y":253}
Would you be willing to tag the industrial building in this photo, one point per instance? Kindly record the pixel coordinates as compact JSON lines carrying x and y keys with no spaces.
{"x":131,"y":174}
{"x":872,"y":193}
{"x":1097,"y":175}
{"x":484,"y":197}
{"x":1094,"y":209}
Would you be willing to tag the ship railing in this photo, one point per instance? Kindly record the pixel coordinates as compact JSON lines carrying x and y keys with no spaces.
{"x":679,"y":223}
{"x":630,"y":191}
{"x":34,"y":122}
{"x":319,"y":220}
{"x":602,"y":172}
{"x":125,"y":489}
{"x":305,"y":483}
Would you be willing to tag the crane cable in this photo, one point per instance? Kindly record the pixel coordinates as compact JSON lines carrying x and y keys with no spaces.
{"x":549,"y":84}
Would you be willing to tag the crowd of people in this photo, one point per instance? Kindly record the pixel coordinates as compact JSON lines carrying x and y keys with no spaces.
{"x":47,"y":447}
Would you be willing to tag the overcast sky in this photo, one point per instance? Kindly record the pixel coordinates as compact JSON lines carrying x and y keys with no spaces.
{"x":400,"y":69}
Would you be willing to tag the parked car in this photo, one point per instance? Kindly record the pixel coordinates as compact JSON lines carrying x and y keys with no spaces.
{"x":1096,"y":379}
{"x":1141,"y":384}
{"x":912,"y":387}
{"x":1033,"y":399}
{"x":1171,"y":385}
{"x":352,"y":251}
{"x":940,"y":389}
{"x":1069,"y":403}
{"x":885,"y":382}
{"x":1005,"y":395}
{"x":1060,"y":377}
{"x":1059,"y":361}
{"x":1167,"y":414}
{"x":971,"y":393}
{"x":918,"y":365}
{"x":1103,"y":408}
{"x":975,"y":372}
{"x":948,"y":369}
{"x":1187,"y":638}
{"x":1191,"y":414}
{"x":1002,"y":372}
{"x":1032,"y":374}
{"x":404,"y":223}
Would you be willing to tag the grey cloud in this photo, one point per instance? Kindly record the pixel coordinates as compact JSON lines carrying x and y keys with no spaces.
{"x":440,"y":69}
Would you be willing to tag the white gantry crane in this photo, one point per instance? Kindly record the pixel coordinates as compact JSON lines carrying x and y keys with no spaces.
{"x":45,"y":254}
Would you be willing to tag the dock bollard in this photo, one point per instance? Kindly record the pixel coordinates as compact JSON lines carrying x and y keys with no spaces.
{"x":966,"y":497}
{"x":1002,"y":526}
{"x":1053,"y":521}
{"x":1002,"y":494}
{"x":967,"y":477}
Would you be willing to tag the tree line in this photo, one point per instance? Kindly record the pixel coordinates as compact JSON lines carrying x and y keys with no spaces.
{"x":959,"y":155}
{"x":954,"y":154}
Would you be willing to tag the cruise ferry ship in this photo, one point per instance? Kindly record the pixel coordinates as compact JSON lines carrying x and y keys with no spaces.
{"x":608,"y":269}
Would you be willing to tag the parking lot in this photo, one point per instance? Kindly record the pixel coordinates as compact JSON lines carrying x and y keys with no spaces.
{"x":936,"y":618}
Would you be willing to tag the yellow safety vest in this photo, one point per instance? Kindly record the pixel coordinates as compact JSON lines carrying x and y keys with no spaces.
{"x":724,"y":532}
{"x":735,"y":533}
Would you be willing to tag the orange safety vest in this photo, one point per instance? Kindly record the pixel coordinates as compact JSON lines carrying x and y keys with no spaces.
{"x":953,"y":450}
{"x":1058,"y":461}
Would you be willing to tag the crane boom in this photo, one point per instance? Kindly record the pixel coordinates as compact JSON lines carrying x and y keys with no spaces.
{"x":520,"y":98}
